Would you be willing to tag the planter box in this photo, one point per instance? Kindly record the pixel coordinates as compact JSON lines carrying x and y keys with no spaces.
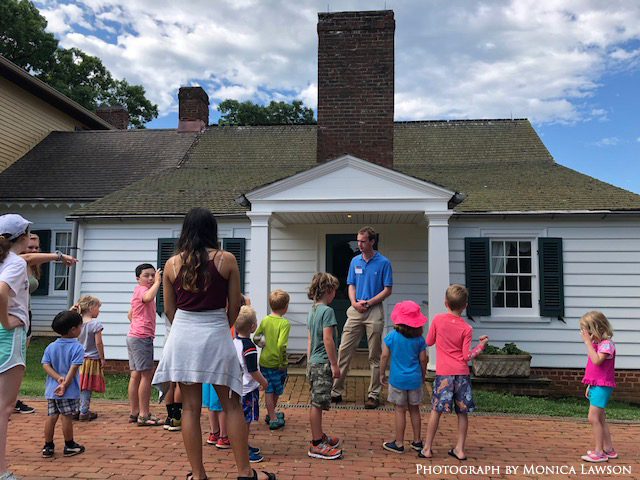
{"x":501,"y":365}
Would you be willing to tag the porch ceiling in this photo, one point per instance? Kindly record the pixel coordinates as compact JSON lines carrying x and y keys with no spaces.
{"x":350,"y":218}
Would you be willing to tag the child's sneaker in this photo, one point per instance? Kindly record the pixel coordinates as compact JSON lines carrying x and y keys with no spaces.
{"x":325,"y":451}
{"x":254,"y":449}
{"x":22,"y":407}
{"x":166,"y":423}
{"x":223,"y":442}
{"x":174,"y":425}
{"x":392,"y":447}
{"x":279,"y":415}
{"x":595,"y":457}
{"x":74,"y":449}
{"x":255,"y":457}
{"x":417,"y":446}
{"x":610,"y":454}
{"x":47,"y":451}
{"x":278,"y":423}
{"x":213,"y":438}
{"x":332,"y":441}
{"x":87,"y":417}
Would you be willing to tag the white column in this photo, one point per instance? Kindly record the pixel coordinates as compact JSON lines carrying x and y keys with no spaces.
{"x":439,"y":281}
{"x":260,"y":264}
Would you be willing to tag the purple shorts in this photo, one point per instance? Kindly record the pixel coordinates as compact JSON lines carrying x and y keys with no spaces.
{"x":452,"y":392}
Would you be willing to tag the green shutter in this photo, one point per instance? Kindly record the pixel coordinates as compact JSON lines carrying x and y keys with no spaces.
{"x":45,"y":247}
{"x":478,"y":276}
{"x":237,"y":246}
{"x":166,"y":246}
{"x":551,"y":277}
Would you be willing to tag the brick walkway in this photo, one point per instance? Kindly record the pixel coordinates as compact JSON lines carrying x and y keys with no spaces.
{"x":117,"y":450}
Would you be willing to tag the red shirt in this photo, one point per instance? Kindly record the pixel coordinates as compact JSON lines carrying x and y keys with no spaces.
{"x":452,"y":337}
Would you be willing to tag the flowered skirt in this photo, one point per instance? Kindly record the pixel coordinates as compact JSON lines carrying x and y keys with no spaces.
{"x":92,"y":376}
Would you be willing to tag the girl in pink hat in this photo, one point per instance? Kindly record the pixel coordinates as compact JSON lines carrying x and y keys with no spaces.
{"x":408,"y":352}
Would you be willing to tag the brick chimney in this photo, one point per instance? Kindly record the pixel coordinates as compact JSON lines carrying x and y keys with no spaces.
{"x":193,"y":110}
{"x":355,"y":85}
{"x":117,"y":116}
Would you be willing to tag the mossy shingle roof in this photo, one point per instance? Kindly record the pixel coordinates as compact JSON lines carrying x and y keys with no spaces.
{"x":501,"y":165}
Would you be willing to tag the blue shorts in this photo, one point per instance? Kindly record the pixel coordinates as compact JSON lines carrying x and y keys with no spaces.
{"x":277,"y":379}
{"x":250,"y":406}
{"x":210,"y":398}
{"x":452,"y":392}
{"x":599,"y":396}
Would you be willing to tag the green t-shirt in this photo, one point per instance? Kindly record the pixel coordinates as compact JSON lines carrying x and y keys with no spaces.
{"x":276,"y":333}
{"x":320,"y":317}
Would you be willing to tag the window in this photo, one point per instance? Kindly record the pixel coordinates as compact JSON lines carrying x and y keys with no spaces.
{"x":512,"y":275}
{"x":61,"y":271}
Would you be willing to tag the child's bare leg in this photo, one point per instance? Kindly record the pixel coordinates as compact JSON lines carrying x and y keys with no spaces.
{"x":596,"y":421}
{"x":416,"y":422}
{"x":9,"y":387}
{"x":169,"y":397}
{"x":144,"y":391}
{"x":213,"y":422}
{"x":271,"y":400}
{"x":463,"y":426}
{"x":607,"y":443}
{"x":67,"y":427}
{"x":222,"y":418}
{"x":432,"y":428}
{"x":401,"y":423}
{"x":134,"y":384}
{"x":315,"y":418}
{"x":50,"y":427}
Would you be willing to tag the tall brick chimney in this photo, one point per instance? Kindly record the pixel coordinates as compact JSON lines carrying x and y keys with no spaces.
{"x":355,"y":85}
{"x":117,"y":116}
{"x":193,"y":109}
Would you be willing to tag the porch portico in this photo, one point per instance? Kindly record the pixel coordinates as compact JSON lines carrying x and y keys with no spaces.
{"x":341,"y":196}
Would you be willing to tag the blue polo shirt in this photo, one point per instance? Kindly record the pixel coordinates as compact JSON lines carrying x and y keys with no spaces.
{"x":370,"y":277}
{"x":61,"y":355}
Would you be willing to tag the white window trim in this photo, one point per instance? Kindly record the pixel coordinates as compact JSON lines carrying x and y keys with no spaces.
{"x":52,"y":269}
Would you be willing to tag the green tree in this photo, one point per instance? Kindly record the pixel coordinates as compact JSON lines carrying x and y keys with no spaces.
{"x":276,"y":113}
{"x":74,"y":73}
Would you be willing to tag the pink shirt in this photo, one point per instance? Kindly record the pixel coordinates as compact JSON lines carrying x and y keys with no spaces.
{"x":452,"y":337}
{"x":143,"y":315}
{"x":602,"y":375}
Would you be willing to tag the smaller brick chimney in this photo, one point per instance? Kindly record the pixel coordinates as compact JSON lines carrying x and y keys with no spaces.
{"x":117,"y":116}
{"x":193,"y":109}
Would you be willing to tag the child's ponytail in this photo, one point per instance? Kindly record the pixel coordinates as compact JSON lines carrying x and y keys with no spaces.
{"x":85,"y":303}
{"x":5,"y":246}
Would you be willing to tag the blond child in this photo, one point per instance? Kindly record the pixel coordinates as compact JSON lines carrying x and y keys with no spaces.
{"x":274,"y":329}
{"x":452,"y":386}
{"x":92,"y":369}
{"x":599,"y":376}
{"x":322,"y":362}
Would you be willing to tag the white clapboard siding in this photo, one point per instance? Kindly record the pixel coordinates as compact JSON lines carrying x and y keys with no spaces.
{"x":601,"y":272}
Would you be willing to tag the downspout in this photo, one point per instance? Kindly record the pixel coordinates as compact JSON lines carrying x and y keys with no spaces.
{"x":75,"y":276}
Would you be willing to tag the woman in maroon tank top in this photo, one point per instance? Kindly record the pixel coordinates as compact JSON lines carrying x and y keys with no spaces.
{"x":199,"y":281}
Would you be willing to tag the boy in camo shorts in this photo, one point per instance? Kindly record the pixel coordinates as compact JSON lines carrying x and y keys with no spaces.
{"x":322,"y":362}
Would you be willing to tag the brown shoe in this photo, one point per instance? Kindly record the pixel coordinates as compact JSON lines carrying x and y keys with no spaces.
{"x":371,"y":403}
{"x":87,"y":417}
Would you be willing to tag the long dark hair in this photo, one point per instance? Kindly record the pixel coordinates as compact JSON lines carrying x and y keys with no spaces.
{"x":407,"y":331}
{"x":199,"y":232}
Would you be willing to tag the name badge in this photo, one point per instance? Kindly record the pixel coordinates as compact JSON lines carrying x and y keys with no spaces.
{"x":359,"y":270}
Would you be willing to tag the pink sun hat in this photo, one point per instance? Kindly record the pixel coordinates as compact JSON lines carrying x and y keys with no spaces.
{"x":408,"y":313}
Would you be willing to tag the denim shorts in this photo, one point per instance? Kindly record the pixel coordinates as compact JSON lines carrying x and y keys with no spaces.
{"x":599,"y":396}
{"x":276,"y":378}
{"x":452,"y":392}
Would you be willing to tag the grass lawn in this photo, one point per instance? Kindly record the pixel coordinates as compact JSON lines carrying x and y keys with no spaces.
{"x":33,"y":385}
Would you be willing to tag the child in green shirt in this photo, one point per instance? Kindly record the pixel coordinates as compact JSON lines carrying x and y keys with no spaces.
{"x":273,"y":360}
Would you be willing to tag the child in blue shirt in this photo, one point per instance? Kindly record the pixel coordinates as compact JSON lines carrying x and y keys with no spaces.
{"x":408,"y":352}
{"x":61,"y":361}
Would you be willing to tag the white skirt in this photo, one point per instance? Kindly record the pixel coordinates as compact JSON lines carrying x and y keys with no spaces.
{"x":199,"y":350}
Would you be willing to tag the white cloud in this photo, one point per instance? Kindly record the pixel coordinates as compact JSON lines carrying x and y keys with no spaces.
{"x":608,"y":142}
{"x":457,"y":59}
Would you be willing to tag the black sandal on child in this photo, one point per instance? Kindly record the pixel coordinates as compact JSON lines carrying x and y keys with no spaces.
{"x":270,"y":476}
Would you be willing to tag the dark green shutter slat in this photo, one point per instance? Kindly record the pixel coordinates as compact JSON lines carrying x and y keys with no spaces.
{"x":166,"y":246}
{"x":551,"y":277}
{"x":478,"y":276}
{"x":45,"y":247}
{"x":237,"y":246}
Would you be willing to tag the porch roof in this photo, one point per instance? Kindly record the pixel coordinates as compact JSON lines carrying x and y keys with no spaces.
{"x":502,"y":165}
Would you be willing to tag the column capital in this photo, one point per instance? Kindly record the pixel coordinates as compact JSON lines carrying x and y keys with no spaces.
{"x":438,"y":219}
{"x":259,"y":219}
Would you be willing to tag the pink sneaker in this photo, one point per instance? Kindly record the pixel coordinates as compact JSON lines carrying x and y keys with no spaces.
{"x":213,"y":438}
{"x":610,"y":454}
{"x":223,"y":442}
{"x":595,"y":457}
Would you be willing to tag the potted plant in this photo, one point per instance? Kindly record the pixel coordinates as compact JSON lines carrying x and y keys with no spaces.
{"x":508,"y":361}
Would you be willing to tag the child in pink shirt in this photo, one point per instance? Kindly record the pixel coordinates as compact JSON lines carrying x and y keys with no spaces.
{"x":452,"y":386}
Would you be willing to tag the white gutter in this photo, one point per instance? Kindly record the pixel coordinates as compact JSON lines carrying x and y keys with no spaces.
{"x":76,"y":286}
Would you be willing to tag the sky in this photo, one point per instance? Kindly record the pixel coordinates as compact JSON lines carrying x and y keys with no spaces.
{"x":572,"y":67}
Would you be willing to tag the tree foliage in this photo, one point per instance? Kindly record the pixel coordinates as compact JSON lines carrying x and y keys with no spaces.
{"x":276,"y":113}
{"x":74,"y":73}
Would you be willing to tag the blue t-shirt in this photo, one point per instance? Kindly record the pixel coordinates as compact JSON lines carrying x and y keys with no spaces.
{"x":405,"y":372}
{"x":370,"y":277}
{"x":61,"y":355}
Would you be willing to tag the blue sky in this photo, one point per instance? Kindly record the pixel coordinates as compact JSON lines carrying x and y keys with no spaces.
{"x":572,"y":68}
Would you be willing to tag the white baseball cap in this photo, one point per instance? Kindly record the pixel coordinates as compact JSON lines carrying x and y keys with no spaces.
{"x":13,"y":225}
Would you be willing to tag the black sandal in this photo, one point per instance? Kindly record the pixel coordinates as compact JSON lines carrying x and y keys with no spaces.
{"x":270,"y":476}
{"x":190,"y":476}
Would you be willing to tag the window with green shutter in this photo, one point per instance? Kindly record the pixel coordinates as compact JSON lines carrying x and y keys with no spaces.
{"x":551,"y":277}
{"x":166,"y":246}
{"x":237,"y":246}
{"x":478,"y":275}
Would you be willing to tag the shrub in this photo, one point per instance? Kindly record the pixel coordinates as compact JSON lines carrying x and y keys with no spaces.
{"x":508,"y":349}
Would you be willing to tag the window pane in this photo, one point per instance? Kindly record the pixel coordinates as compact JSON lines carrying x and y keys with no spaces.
{"x":512,"y":265}
{"x":525,"y":249}
{"x":525,"y":265}
{"x":512,"y":284}
{"x":525,"y":284}
{"x":61,"y":272}
{"x":497,"y":249}
{"x":525,"y":300}
{"x":497,"y":265}
{"x":497,"y":283}
{"x":498,"y":299}
{"x":512,"y":300}
{"x":512,"y":249}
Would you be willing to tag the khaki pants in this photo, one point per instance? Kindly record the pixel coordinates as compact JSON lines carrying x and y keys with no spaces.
{"x":371,"y":321}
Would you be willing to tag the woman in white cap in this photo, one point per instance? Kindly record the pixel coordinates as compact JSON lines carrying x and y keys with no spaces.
{"x":14,"y":321}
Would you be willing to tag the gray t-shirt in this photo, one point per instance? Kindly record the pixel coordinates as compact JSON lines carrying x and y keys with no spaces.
{"x":319,"y":317}
{"x":87,"y":339}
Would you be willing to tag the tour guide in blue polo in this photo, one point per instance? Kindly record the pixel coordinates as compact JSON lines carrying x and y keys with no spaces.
{"x":370,"y":280}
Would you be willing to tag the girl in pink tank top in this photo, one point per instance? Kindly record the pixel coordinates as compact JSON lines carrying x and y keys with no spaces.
{"x":599,"y":376}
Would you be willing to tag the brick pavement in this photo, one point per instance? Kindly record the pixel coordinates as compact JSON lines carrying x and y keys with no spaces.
{"x":118,"y":451}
